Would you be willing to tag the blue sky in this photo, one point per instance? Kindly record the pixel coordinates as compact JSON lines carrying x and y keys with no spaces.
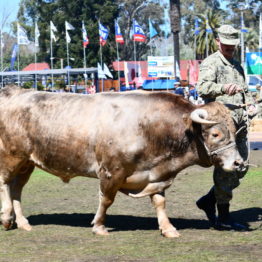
{"x":9,"y":7}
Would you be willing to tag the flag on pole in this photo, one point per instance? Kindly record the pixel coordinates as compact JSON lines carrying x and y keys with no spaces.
{"x":85,"y":37}
{"x":103,"y":34}
{"x":138,"y":33}
{"x":52,"y":30}
{"x":101,"y":73}
{"x":118,"y":36}
{"x":37,"y":34}
{"x":68,"y":27}
{"x":22,"y":38}
{"x":152,"y":30}
{"x":13,"y":56}
{"x":208,"y":28}
{"x":197,"y":29}
{"x":254,"y":63}
{"x":243,"y":28}
{"x":107,"y":72}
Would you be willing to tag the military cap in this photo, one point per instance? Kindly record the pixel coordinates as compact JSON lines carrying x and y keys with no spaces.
{"x":228,"y":35}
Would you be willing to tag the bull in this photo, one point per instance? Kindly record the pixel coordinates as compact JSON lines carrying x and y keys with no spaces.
{"x":133,"y":142}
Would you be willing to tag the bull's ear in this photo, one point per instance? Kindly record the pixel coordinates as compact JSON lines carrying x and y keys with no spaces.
{"x":187,"y":120}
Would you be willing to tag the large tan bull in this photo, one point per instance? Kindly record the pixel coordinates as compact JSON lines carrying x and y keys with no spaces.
{"x":133,"y":142}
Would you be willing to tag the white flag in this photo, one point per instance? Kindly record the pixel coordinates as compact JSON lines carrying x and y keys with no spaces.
{"x":21,"y":36}
{"x":68,"y":38}
{"x":52,"y":26}
{"x":52,"y":30}
{"x":107,"y":72}
{"x":101,"y":73}
{"x":68,"y":26}
{"x":37,"y":34}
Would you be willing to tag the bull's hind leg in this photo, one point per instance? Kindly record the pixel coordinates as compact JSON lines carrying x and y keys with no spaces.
{"x":17,"y":185}
{"x":109,"y":185}
{"x":166,"y":228}
{"x":6,"y":211}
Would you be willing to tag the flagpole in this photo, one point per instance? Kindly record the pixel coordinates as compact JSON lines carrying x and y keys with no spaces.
{"x":1,"y":47}
{"x":101,"y":58}
{"x":242,"y":39}
{"x":51,"y":58}
{"x":67,"y":53}
{"x":118,"y":72}
{"x":18,"y":60}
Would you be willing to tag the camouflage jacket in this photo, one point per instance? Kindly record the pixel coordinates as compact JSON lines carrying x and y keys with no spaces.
{"x":215,"y":72}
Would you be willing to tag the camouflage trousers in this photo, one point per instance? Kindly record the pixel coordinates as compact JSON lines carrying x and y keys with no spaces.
{"x":225,"y":182}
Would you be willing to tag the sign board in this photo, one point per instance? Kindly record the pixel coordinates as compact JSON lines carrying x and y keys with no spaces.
{"x":160,"y":66}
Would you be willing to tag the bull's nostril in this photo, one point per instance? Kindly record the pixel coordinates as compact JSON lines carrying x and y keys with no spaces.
{"x":237,"y":163}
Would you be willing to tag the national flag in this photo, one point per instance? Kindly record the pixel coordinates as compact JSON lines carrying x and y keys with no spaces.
{"x":208,"y":28}
{"x":103,"y":34}
{"x":118,"y":36}
{"x":52,"y":30}
{"x":22,"y":38}
{"x":243,"y":28}
{"x":152,"y":30}
{"x":254,"y":63}
{"x":37,"y":34}
{"x":85,"y":37}
{"x":107,"y":72}
{"x":13,"y":56}
{"x":197,"y":29}
{"x":138,"y":33}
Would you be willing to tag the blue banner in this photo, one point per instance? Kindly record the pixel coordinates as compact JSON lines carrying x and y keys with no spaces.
{"x":13,"y":56}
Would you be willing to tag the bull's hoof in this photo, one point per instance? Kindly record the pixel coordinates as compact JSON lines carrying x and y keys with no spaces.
{"x":100,"y":230}
{"x":25,"y":227}
{"x":173,"y":233}
{"x":7,"y":225}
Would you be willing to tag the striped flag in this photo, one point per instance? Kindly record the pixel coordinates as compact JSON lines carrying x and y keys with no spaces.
{"x":197,"y":29}
{"x":118,"y":36}
{"x":85,"y":37}
{"x":22,"y":38}
{"x":138,"y":33}
{"x":103,"y":34}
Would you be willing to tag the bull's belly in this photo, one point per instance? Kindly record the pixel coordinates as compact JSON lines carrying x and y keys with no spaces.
{"x":142,"y":184}
{"x":67,"y":172}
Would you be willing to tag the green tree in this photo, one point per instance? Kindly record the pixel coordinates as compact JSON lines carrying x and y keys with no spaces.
{"x":141,"y":11}
{"x":74,"y":12}
{"x":175,"y":18}
{"x":214,"y":21}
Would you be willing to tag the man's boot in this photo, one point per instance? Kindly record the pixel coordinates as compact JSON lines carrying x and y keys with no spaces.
{"x":225,"y":222}
{"x":208,"y":204}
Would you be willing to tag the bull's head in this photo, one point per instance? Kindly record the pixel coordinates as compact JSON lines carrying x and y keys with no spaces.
{"x":218,"y":140}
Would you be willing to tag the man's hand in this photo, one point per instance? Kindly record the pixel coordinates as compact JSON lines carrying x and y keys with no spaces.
{"x":252,"y":111}
{"x":232,"y":89}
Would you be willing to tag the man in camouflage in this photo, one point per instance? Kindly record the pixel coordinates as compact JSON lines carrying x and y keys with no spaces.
{"x":222,"y":78}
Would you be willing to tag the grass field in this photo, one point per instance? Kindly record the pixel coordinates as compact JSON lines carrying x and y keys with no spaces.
{"x":61,"y":215}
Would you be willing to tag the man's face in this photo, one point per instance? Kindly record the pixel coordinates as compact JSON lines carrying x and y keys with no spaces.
{"x":226,"y":50}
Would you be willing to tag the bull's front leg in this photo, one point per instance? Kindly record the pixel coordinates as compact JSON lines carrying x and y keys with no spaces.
{"x":166,"y":228}
{"x":16,"y":190}
{"x":7,"y":207}
{"x":109,"y":184}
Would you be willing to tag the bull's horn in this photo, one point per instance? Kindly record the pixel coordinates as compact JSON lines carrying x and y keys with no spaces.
{"x":200,"y":115}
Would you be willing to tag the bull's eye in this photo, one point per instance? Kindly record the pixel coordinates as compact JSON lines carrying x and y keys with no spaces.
{"x":215,"y":135}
